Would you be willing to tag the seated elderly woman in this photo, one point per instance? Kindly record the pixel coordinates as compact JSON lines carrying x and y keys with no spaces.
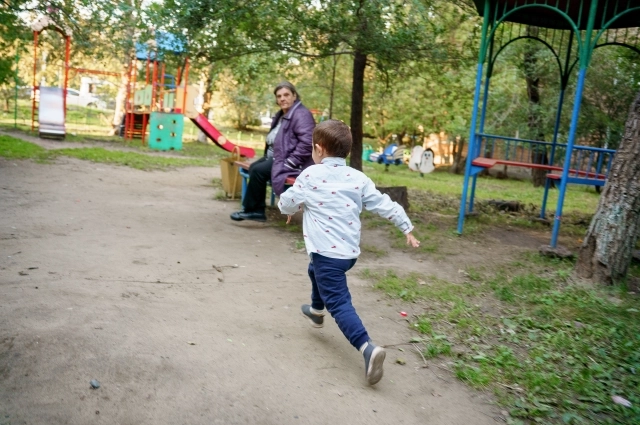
{"x":287,"y":152}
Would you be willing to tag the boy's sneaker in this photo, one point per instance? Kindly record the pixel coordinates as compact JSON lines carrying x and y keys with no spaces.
{"x":316,"y":319}
{"x":373,"y":360}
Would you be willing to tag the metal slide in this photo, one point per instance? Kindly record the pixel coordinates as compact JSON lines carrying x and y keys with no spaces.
{"x":51,"y":113}
{"x":207,"y":128}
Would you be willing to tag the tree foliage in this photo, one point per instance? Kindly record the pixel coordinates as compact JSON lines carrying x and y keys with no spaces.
{"x":384,"y":34}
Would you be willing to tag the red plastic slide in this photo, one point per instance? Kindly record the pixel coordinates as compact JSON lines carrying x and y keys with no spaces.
{"x":207,"y":128}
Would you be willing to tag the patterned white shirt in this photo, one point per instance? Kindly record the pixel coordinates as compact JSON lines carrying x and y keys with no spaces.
{"x":332,"y":196}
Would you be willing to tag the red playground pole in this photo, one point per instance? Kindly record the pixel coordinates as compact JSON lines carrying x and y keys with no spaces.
{"x":186,"y":80}
{"x":162,"y":88}
{"x":35,"y":69}
{"x":144,"y":116}
{"x":154,"y":83}
{"x":67,"y":54}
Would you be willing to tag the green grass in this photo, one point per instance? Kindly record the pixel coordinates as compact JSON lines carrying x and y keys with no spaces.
{"x":551,"y":350}
{"x":18,"y":149}
{"x":12,"y":148}
{"x":132,"y":159}
{"x":373,"y":250}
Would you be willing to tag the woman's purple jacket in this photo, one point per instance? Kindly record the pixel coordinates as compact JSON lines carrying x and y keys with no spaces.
{"x":292,"y":146}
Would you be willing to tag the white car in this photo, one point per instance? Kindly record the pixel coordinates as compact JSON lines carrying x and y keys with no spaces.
{"x":265,"y":121}
{"x":87,"y":100}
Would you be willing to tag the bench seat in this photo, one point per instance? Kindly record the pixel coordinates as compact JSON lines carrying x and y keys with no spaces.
{"x":243,"y":169}
{"x":599,"y":180}
{"x":575,"y":176}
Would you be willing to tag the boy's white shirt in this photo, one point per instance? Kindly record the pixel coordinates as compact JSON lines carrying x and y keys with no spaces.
{"x":332,"y":196}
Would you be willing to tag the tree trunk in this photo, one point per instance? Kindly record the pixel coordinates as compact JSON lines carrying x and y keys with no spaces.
{"x":607,"y":249}
{"x":333,"y":85}
{"x":119,"y":112}
{"x":398,"y":194}
{"x":538,"y":153}
{"x":357,"y":108}
{"x":458,"y":159}
{"x":207,"y":110}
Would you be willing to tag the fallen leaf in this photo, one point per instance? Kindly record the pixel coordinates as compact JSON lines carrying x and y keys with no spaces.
{"x":191,"y":343}
{"x":401,"y":361}
{"x":621,"y":401}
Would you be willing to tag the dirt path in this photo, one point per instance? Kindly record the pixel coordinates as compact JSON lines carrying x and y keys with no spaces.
{"x":108,"y":273}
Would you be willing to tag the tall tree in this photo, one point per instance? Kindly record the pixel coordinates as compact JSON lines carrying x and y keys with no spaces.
{"x":607,"y":249}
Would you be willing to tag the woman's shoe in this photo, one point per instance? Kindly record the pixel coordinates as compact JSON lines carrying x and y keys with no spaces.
{"x":242,"y":215}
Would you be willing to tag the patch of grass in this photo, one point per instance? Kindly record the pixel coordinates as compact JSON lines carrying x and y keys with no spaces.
{"x":132,"y":159}
{"x":423,"y":325}
{"x":216,"y":182}
{"x":373,"y":250}
{"x":13,"y":148}
{"x":395,"y":286}
{"x":438,"y":346}
{"x":552,"y":351}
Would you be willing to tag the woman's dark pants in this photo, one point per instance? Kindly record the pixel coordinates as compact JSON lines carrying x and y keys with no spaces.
{"x":259,"y":175}
{"x":329,"y":288}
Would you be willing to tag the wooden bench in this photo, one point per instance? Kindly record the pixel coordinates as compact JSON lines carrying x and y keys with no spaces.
{"x":243,"y":169}
{"x":592,"y":179}
{"x":575,"y":176}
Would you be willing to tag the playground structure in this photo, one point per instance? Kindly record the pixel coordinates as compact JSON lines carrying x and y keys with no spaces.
{"x":418,"y":159}
{"x":571,"y":30}
{"x":156,"y":111}
{"x":52,"y":108}
{"x":53,"y":101}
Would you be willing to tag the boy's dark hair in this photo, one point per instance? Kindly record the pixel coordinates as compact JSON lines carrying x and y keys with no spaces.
{"x":334,"y":136}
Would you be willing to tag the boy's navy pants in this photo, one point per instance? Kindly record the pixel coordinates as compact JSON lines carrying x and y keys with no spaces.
{"x":329,"y":289}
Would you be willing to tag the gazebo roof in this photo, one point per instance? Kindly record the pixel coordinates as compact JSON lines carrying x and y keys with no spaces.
{"x":548,"y":18}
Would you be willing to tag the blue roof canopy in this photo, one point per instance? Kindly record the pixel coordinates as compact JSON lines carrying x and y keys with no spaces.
{"x":165,"y":42}
{"x":544,"y":15}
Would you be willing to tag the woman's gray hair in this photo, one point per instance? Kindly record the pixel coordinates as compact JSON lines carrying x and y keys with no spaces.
{"x":289,"y":86}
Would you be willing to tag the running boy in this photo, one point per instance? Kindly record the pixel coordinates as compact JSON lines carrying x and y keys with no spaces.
{"x":331,"y":196}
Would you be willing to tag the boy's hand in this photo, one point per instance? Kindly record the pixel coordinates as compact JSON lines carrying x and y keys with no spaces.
{"x":300,"y":208}
{"x":411,"y":240}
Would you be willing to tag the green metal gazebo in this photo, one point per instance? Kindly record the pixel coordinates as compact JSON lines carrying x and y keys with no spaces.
{"x":571,"y":30}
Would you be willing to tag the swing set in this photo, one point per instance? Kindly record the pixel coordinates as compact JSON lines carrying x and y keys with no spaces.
{"x":571,"y":30}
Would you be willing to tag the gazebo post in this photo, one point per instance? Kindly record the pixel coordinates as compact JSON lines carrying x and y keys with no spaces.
{"x":474,"y":117}
{"x":585,"y":57}
{"x":483,"y":114}
{"x":564,"y":81}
